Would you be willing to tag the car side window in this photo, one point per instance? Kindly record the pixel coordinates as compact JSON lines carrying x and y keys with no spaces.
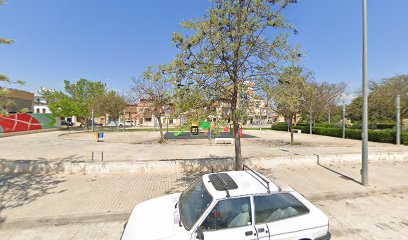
{"x":275,"y":207}
{"x":229,"y":213}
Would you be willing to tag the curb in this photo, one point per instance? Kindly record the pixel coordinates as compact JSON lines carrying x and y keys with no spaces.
{"x":12,"y":134}
{"x":196,"y":165}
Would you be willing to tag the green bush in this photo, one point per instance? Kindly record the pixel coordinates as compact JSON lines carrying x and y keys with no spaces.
{"x":374,"y":126}
{"x":280,"y":127}
{"x":384,"y":136}
{"x":404,"y":138}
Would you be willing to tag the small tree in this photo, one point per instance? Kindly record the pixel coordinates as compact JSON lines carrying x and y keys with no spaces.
{"x":155,"y":87}
{"x":288,"y":96}
{"x":111,"y":103}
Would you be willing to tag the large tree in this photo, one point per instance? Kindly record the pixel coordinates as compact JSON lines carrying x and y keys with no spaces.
{"x":156,"y":87}
{"x":78,"y":100}
{"x":382,"y":100}
{"x":237,"y":41}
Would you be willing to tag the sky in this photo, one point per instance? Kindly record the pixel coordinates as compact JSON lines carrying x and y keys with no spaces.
{"x":112,"y":41}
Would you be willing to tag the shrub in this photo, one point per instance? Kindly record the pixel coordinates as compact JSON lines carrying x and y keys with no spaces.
{"x":280,"y":127}
{"x":384,"y":136}
{"x":404,"y":138}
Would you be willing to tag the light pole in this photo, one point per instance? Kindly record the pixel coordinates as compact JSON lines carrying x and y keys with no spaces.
{"x":364,"y":170}
{"x":344,"y":118}
{"x":260,"y":126}
{"x":398,"y":121}
{"x":310,"y":123}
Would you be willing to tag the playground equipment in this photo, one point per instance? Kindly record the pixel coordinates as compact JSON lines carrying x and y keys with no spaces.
{"x":231,"y":129}
{"x":194,"y":128}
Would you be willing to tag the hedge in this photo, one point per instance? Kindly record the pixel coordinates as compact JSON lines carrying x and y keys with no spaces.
{"x":384,"y":136}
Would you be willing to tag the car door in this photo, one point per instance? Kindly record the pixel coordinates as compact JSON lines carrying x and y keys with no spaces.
{"x":261,"y":228}
{"x":280,"y":212}
{"x":230,"y":219}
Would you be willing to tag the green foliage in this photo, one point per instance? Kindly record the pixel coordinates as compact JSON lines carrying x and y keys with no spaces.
{"x":79,"y":99}
{"x":384,"y":136}
{"x":404,"y":138}
{"x":235,"y":43}
{"x":111,"y":103}
{"x":280,"y":127}
{"x":156,"y":88}
{"x":288,"y":94}
{"x":382,"y":100}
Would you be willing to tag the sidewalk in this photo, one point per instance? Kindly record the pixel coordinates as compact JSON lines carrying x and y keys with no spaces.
{"x":29,"y":201}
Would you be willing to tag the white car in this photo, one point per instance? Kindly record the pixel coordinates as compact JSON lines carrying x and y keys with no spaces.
{"x":234,"y":205}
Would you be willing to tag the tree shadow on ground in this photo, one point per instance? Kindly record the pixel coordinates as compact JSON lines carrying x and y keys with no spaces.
{"x":183,"y":182}
{"x":19,"y":189}
{"x":194,"y":168}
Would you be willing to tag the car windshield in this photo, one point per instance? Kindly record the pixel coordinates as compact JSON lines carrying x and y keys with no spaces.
{"x":193,"y":203}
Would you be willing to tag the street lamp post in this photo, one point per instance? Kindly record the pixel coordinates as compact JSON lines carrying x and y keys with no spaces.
{"x":398,"y":121}
{"x":364,"y":170}
{"x":344,"y":119}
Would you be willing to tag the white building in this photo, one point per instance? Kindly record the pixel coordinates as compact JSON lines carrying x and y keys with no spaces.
{"x":40,"y":105}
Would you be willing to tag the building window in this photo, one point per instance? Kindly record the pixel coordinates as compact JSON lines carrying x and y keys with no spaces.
{"x":148,"y":119}
{"x":43,"y":110}
{"x":38,"y":110}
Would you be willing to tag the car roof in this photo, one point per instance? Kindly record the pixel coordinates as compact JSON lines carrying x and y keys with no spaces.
{"x":247,"y":183}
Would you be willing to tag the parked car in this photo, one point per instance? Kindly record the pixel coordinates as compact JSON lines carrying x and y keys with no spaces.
{"x":66,"y":123}
{"x":229,"y":205}
{"x":128,"y":123}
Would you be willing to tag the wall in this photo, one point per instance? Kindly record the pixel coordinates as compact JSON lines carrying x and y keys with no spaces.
{"x":26,"y":122}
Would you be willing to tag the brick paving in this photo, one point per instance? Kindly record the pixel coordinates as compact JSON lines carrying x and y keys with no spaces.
{"x":26,"y":198}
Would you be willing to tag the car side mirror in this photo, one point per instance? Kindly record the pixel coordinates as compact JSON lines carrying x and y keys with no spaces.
{"x":199,"y":234}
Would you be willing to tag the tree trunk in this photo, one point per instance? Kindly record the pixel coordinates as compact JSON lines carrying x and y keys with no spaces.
{"x":158,"y":116}
{"x":291,"y":130}
{"x":238,"y":157}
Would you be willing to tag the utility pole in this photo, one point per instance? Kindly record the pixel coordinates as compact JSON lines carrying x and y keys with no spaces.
{"x":364,"y":170}
{"x":310,"y":122}
{"x":260,"y":126}
{"x":344,"y":119}
{"x":398,"y":121}
{"x":93,"y":118}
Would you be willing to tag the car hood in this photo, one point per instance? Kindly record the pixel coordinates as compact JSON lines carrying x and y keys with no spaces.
{"x":153,"y":220}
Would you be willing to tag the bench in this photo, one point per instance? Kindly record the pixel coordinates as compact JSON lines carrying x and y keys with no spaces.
{"x":224,"y":141}
{"x":297,"y":130}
